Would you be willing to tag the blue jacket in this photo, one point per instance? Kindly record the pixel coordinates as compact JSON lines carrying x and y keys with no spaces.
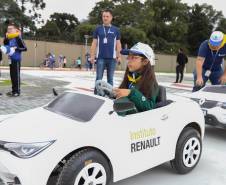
{"x":20,"y":47}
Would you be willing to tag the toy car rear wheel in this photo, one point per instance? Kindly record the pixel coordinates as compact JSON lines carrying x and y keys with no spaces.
{"x":87,"y":167}
{"x":188,"y":151}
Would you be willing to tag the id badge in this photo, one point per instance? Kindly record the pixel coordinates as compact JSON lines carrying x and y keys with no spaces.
{"x":105,"y":40}
{"x":208,"y":73}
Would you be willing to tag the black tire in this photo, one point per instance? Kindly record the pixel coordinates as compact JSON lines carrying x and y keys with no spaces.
{"x":80,"y":161}
{"x":189,"y":135}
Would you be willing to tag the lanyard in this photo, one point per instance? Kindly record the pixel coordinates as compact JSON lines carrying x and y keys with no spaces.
{"x":214,"y":58}
{"x":133,"y":80}
{"x":105,"y":31}
{"x":130,"y":85}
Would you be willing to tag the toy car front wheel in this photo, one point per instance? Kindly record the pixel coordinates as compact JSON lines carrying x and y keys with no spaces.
{"x":87,"y":167}
{"x":188,"y":151}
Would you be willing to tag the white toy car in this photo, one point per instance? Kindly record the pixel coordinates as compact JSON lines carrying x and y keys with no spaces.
{"x":79,"y":138}
{"x":212,"y":99}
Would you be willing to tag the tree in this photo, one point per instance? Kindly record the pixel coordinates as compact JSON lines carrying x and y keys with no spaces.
{"x":127,"y":13}
{"x":34,"y":7}
{"x":82,"y":30}
{"x":49,"y":31}
{"x":130,"y":36}
{"x":10,"y":12}
{"x":66,"y":24}
{"x":167,"y":23}
{"x":202,"y":20}
{"x":222,"y":25}
{"x":95,"y":14}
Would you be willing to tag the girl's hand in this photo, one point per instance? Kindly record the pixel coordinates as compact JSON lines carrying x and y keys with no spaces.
{"x":121,"y":92}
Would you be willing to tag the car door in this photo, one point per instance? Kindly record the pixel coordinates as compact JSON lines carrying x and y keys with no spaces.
{"x":143,"y":140}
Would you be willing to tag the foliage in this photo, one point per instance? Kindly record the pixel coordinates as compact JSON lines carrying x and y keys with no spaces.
{"x":33,"y":10}
{"x":10,"y":12}
{"x":164,"y":24}
{"x":61,"y":26}
{"x":202,"y":20}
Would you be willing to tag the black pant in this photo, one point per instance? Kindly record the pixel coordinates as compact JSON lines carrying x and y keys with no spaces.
{"x":15,"y":76}
{"x":180,"y":70}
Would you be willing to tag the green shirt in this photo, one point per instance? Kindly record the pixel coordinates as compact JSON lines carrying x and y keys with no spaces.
{"x":140,"y":101}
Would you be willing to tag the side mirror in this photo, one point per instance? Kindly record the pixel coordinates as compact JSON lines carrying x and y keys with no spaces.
{"x":123,"y":107}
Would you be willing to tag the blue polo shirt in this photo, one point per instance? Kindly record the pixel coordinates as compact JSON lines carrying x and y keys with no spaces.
{"x":106,"y":49}
{"x":212,"y":58}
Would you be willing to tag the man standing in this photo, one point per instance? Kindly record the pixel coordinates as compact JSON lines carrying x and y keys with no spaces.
{"x":106,"y":46}
{"x":14,"y":41}
{"x":209,"y":61}
{"x":182,"y":59}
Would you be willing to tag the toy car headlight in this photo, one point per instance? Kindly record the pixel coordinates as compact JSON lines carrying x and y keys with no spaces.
{"x":26,"y":150}
{"x":222,"y":105}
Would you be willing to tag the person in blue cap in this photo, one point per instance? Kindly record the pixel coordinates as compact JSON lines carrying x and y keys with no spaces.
{"x":209,"y":63}
{"x":139,"y":84}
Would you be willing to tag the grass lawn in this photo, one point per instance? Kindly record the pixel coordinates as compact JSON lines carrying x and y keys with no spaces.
{"x":5,"y":82}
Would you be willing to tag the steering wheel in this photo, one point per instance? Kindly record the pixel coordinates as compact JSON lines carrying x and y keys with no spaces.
{"x":104,"y":89}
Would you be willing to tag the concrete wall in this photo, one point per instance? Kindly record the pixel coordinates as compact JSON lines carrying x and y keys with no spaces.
{"x":167,"y":63}
{"x":34,"y":56}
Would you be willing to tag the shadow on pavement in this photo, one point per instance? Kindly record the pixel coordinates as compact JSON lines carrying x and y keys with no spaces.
{"x":215,"y":133}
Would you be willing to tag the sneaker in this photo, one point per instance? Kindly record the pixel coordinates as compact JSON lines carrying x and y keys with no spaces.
{"x":0,"y":94}
{"x":15,"y":94}
{"x":11,"y":94}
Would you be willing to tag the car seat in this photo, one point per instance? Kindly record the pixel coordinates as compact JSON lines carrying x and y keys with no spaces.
{"x":162,"y":94}
{"x":161,"y":100}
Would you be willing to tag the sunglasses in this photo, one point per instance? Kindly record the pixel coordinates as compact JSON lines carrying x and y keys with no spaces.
{"x":135,"y":57}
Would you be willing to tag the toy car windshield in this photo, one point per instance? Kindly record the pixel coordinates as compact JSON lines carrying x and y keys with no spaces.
{"x":215,"y":89}
{"x":79,"y":107}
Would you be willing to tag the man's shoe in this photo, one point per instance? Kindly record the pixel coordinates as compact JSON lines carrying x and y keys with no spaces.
{"x":15,"y":94}
{"x":0,"y":94}
{"x":9,"y":93}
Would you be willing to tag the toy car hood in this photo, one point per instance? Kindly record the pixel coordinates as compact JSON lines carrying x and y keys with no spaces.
{"x":50,"y":122}
{"x":214,"y":93}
